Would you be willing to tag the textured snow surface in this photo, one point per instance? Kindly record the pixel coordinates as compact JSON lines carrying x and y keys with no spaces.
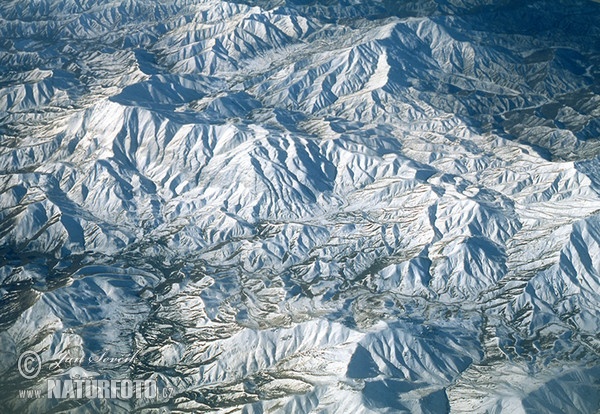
{"x":303,"y":207}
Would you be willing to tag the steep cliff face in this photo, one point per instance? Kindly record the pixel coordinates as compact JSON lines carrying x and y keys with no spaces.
{"x":304,"y":206}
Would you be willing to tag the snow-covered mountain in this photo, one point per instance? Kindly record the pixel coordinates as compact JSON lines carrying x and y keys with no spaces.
{"x":301,"y":207}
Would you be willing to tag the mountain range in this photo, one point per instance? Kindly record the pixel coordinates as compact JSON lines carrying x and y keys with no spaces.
{"x":300,"y":206}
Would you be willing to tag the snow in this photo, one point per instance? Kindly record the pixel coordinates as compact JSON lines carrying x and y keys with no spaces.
{"x":304,"y":207}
